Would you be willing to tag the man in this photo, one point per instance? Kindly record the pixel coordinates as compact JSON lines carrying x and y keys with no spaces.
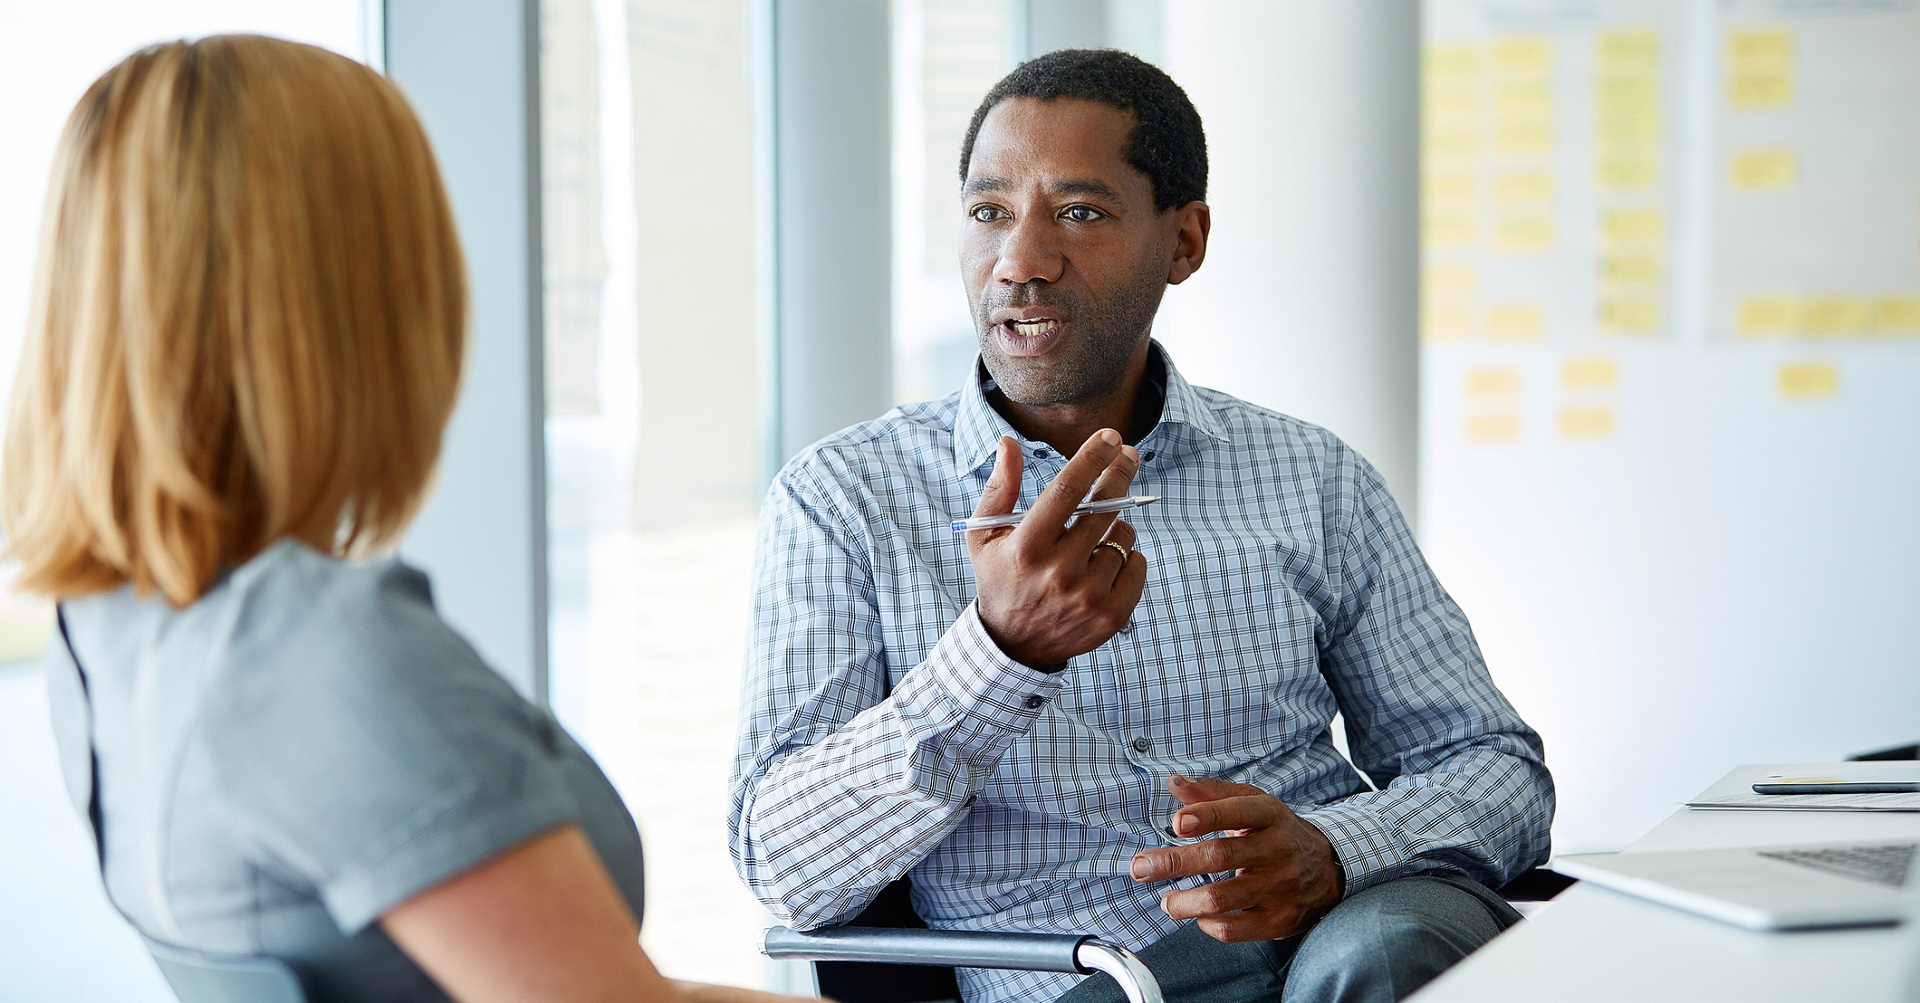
{"x":1048,"y":732}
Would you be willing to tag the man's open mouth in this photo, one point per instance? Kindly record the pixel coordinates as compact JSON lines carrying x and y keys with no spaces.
{"x":1033,"y":328}
{"x":1029,"y":337}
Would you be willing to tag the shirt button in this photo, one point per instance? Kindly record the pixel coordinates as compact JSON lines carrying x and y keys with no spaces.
{"x":1142,"y":744}
{"x":1034,"y":701}
{"x":971,"y":798}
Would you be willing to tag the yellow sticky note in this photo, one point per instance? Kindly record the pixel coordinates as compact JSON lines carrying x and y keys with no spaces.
{"x":1627,"y":173}
{"x":1516,"y":322}
{"x":1447,"y":282}
{"x":1503,"y":381}
{"x":1627,"y":128}
{"x":1807,"y":380}
{"x":1767,"y":316}
{"x":1633,"y":225}
{"x":1523,"y":235}
{"x":1627,"y":93}
{"x":1763,"y":170}
{"x":1525,"y":100}
{"x":1760,"y":91}
{"x":1493,"y":427}
{"x":1586,"y":422}
{"x":1450,"y":116}
{"x":1449,"y":145}
{"x":1523,"y":55}
{"x":1593,"y":373}
{"x":1834,"y":316}
{"x":1523,"y":137}
{"x":1448,"y":229}
{"x":1452,"y":190}
{"x":1628,"y":50}
{"x":1635,"y":269}
{"x":1898,"y":315}
{"x":1523,"y":188}
{"x":1446,"y":323}
{"x":1450,"y":62}
{"x":1629,"y":315}
{"x":1767,"y":47}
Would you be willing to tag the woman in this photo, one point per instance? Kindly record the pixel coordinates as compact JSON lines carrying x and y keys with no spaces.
{"x":246,"y":338}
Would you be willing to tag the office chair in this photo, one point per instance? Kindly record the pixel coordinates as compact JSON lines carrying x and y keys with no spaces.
{"x":208,"y":978}
{"x":887,"y":955}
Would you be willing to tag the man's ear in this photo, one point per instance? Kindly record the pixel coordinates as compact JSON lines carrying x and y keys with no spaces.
{"x":1191,"y":224}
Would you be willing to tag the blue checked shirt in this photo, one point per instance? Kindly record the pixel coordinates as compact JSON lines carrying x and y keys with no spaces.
{"x":883,"y":733}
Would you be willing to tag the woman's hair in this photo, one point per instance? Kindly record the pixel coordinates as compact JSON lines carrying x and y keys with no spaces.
{"x":248,"y":321}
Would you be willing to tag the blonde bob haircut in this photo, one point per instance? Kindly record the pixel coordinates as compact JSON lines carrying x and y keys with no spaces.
{"x":248,"y":322}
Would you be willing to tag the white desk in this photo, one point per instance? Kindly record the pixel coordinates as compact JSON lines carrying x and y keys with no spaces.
{"x":1595,"y":944}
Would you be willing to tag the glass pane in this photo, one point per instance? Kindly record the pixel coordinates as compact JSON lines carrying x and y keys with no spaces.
{"x":946,"y":55}
{"x":652,"y":426}
{"x":62,"y":940}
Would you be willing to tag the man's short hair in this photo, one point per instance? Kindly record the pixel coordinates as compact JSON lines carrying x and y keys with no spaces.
{"x":1167,"y":145}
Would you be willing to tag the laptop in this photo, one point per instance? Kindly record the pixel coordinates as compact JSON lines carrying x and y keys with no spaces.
{"x":1859,"y":883}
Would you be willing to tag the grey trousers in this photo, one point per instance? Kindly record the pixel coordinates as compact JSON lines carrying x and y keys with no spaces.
{"x":1376,"y":947}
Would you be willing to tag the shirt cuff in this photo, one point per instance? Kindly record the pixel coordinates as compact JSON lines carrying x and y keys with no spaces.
{"x":1364,"y":845}
{"x":984,"y":697}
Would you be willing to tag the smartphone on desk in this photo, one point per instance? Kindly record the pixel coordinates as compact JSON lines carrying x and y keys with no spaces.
{"x":1884,"y":780}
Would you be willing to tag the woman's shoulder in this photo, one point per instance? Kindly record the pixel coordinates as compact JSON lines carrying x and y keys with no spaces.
{"x":315,"y":635}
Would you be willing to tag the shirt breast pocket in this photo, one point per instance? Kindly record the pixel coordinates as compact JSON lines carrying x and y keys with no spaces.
{"x":1220,"y":665}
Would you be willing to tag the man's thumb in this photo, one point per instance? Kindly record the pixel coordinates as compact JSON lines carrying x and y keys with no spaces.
{"x":1003,"y":487}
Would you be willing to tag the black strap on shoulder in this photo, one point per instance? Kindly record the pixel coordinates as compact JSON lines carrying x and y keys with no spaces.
{"x":93,"y":753}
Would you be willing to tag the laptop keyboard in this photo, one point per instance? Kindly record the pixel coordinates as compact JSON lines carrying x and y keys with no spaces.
{"x":1883,"y":864}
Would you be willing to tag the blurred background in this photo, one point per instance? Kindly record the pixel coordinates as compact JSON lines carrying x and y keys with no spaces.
{"x":1622,"y":297}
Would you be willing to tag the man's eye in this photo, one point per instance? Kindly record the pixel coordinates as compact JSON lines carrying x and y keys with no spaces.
{"x":986,"y":213}
{"x":1082,"y":213}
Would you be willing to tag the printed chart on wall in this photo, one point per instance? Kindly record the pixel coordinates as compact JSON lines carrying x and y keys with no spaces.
{"x":1670,"y":374}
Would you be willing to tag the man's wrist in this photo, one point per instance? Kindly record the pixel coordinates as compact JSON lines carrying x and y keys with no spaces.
{"x":1365,"y":846}
{"x":1008,"y":651}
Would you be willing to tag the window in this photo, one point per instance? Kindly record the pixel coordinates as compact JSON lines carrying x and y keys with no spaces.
{"x":652,"y":434}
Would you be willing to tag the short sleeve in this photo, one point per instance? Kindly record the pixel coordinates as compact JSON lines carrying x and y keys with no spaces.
{"x":364,"y":746}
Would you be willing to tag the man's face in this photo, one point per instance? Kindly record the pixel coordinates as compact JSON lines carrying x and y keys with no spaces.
{"x":1062,"y":251}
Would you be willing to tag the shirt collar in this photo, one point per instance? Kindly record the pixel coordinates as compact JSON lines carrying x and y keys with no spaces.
{"x":978,"y":427}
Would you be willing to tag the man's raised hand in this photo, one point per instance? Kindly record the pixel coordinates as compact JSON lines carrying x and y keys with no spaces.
{"x":1285,"y":876}
{"x":1046,"y":591}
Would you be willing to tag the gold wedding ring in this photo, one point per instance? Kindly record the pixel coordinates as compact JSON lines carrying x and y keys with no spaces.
{"x":1118,"y":549}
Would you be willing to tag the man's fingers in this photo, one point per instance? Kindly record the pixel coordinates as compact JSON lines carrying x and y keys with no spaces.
{"x":1055,"y":505}
{"x":1194,"y":790}
{"x":1228,"y":814}
{"x":1211,"y":856}
{"x":1003,"y":486}
{"x":1112,"y":483}
{"x":1212,"y":899}
{"x":1122,"y":537}
{"x":1251,"y":925}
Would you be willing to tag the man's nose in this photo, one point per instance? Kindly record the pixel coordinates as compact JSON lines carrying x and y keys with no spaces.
{"x":1029,"y":253}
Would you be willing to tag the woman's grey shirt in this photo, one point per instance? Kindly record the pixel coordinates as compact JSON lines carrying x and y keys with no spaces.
{"x":299,"y":751}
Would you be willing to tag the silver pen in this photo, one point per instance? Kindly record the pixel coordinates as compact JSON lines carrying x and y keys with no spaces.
{"x":1085,"y":508}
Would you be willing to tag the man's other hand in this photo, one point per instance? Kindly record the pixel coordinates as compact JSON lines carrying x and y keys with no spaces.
{"x":1285,"y":872}
{"x":1048,"y":591}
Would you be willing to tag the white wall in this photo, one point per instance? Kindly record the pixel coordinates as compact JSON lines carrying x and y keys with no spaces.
{"x":1307,"y":300}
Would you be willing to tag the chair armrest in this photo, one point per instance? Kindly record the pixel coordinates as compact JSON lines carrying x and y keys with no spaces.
{"x":1030,"y":952}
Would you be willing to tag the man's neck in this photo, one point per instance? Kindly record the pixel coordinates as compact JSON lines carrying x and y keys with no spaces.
{"x":1132,"y":409}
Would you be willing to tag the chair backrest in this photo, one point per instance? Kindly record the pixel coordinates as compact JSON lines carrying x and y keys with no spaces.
{"x":206,"y":978}
{"x":862,"y":982}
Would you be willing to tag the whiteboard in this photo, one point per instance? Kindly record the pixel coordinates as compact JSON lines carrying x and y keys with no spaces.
{"x":1670,"y":378}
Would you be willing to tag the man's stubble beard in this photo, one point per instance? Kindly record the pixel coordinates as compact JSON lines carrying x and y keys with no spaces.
{"x":1092,"y":364}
